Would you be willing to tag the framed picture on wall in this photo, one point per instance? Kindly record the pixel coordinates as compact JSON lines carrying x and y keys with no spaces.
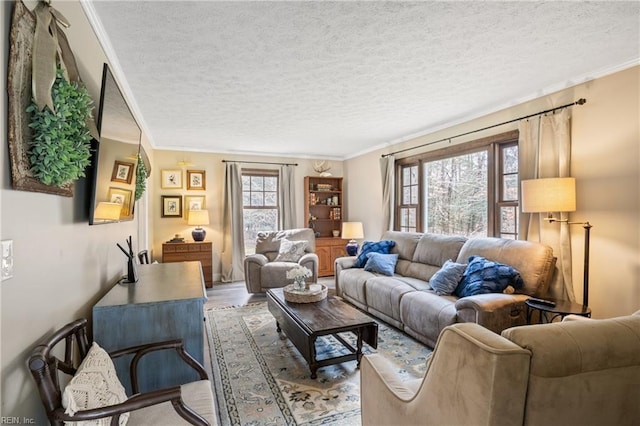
{"x":171,"y":206}
{"x":196,"y":179}
{"x":171,"y":179}
{"x":122,"y":172}
{"x":122,"y":197}
{"x":194,"y":202}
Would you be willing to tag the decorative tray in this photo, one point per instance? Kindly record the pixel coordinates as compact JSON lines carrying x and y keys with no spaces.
{"x":315,"y":293}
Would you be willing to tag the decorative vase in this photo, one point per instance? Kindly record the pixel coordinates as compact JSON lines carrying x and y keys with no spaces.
{"x":299,"y":283}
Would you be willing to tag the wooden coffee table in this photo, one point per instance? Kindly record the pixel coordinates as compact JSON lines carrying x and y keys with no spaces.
{"x":303,"y":323}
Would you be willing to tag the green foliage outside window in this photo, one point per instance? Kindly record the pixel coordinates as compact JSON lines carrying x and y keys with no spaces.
{"x":60,"y":150}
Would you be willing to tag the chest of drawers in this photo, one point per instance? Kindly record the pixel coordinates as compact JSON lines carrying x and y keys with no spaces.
{"x":188,"y":251}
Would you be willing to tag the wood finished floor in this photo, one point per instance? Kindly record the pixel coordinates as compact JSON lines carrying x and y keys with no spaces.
{"x":235,"y":294}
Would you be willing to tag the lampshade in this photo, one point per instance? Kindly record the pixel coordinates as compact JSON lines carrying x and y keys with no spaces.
{"x":107,"y":211}
{"x":352,"y":230}
{"x":549,"y":195}
{"x":198,"y":217}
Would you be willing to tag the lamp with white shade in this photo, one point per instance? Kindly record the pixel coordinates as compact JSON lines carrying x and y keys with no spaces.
{"x":557,"y":195}
{"x":352,"y":231}
{"x":198,"y":218}
{"x":107,"y":212}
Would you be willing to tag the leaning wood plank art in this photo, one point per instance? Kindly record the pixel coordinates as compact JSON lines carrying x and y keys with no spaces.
{"x":19,"y":90}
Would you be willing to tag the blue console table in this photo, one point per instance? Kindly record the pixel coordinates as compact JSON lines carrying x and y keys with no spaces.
{"x":166,"y":303}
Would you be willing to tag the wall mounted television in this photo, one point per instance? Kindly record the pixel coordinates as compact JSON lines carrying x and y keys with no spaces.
{"x":115,"y":156}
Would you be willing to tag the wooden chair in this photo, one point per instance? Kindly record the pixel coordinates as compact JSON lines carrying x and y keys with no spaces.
{"x":45,"y":368}
{"x":143,"y":257}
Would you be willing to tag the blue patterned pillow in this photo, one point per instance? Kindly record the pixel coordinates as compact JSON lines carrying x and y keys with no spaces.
{"x":384,"y":264}
{"x":486,"y":276}
{"x":447,"y":278}
{"x":382,"y":247}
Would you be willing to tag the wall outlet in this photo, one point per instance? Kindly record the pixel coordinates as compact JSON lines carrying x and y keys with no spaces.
{"x":7,"y":259}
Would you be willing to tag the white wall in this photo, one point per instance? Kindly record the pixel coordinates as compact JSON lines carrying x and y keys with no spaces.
{"x":62,"y":266}
{"x":606,"y":165}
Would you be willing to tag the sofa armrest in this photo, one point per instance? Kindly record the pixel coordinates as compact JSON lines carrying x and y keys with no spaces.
{"x":310,"y":260}
{"x":485,"y":367}
{"x":495,"y":311}
{"x":252,"y":265}
{"x":340,"y":264}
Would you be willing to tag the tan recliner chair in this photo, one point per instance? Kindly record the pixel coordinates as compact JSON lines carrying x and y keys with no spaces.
{"x":262,"y":271}
{"x":565,"y":373}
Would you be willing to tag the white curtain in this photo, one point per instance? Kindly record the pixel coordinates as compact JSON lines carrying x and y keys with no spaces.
{"x":545,"y":152}
{"x":387,"y":169}
{"x":287,"y":196}
{"x":232,"y":256}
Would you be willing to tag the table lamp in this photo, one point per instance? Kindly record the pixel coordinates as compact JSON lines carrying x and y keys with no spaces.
{"x":108,"y":212}
{"x":198,"y":218}
{"x":556,"y":195}
{"x":352,"y":230}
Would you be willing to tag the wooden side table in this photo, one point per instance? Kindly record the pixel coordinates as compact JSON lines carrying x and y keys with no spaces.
{"x":561,"y":309}
{"x":188,"y":251}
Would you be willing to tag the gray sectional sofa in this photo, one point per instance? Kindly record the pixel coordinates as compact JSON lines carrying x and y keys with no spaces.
{"x":406,"y":301}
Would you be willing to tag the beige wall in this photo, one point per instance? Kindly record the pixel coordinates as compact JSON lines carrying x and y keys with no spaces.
{"x":62,"y":266}
{"x":164,"y":229}
{"x":605,"y":163}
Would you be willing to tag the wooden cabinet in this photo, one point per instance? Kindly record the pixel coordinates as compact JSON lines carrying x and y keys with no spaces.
{"x":323,"y":208}
{"x":165,"y":304}
{"x":328,"y":250}
{"x":188,"y":251}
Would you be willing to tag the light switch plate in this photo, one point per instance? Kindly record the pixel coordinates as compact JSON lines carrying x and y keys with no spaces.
{"x":7,"y":259}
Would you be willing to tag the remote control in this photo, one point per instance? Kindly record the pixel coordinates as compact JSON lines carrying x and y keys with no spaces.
{"x":542,"y":301}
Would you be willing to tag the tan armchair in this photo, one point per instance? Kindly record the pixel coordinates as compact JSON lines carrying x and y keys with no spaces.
{"x":565,"y":373}
{"x":263,"y":271}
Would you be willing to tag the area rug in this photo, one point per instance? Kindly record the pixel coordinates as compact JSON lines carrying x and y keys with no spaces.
{"x":261,"y":379}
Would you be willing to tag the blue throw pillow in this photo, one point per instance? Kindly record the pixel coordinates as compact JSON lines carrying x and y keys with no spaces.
{"x":383,"y":264}
{"x":447,"y":278}
{"x":486,"y":276}
{"x":383,"y":247}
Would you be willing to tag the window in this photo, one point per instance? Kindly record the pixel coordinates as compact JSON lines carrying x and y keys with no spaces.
{"x":469,"y":189}
{"x":408,"y":208}
{"x":260,"y":204}
{"x":507,"y":203}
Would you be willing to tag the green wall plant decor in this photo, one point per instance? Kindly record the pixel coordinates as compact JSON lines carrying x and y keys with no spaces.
{"x":60,"y":150}
{"x":141,"y":178}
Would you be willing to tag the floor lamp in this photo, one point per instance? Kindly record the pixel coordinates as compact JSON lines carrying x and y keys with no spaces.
{"x":557,"y":195}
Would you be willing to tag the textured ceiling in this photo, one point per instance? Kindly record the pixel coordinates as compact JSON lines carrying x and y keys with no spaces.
{"x":333,"y":79}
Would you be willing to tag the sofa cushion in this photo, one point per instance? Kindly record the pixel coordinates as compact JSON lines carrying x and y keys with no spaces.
{"x":273,"y":274}
{"x":352,"y":283}
{"x":381,"y":263}
{"x":94,"y":385}
{"x":383,"y":247}
{"x":484,"y":276}
{"x":268,"y":243}
{"x":424,"y":314}
{"x":533,"y":260}
{"x":447,"y":278}
{"x":435,"y":249}
{"x":384,"y":295}
{"x":290,"y":251}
